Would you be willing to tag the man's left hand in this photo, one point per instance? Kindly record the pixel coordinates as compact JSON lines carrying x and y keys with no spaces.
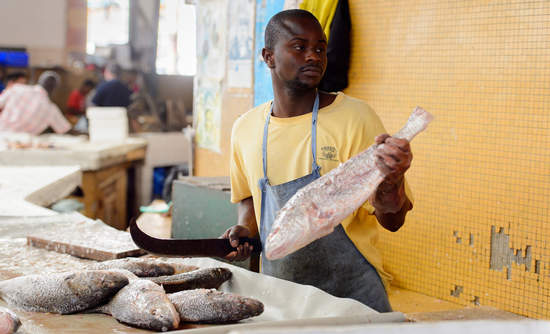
{"x":394,"y":157}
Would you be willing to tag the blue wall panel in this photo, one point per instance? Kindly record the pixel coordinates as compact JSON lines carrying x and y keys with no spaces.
{"x":263,"y":90}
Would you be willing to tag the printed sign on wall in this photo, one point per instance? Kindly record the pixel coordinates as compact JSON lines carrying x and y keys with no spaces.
{"x":240,"y":32}
{"x":211,"y":57}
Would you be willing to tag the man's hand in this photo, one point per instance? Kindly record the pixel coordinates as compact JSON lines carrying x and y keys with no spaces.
{"x":233,"y":234}
{"x":393,"y":157}
{"x":246,"y":227}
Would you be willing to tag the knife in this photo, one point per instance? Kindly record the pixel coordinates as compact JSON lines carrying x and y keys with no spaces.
{"x":187,"y":247}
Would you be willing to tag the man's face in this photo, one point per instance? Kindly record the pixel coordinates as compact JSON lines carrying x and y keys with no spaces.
{"x":20,"y":80}
{"x":85,"y":90}
{"x":299,"y":56}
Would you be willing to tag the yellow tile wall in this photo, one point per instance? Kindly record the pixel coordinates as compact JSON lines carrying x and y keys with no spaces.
{"x":483,"y":69}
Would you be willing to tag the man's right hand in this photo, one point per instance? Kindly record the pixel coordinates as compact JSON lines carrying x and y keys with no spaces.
{"x":243,"y":251}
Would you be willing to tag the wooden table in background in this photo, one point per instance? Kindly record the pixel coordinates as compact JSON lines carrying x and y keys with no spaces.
{"x":104,"y":166}
{"x":105,"y":190}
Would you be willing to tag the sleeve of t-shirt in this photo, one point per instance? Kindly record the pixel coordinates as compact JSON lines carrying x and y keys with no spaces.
{"x":74,"y":101}
{"x":239,"y":184}
{"x":58,"y":122}
{"x":4,"y":97}
{"x":99,"y":96}
{"x":370,"y":127}
{"x":127,"y":96}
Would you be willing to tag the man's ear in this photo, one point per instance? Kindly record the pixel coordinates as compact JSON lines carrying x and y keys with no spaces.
{"x":267,"y":55}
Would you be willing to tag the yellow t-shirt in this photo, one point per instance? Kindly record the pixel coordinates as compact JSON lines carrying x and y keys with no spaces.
{"x":345,"y":128}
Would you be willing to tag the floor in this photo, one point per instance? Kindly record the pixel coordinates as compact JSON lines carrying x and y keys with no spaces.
{"x":408,"y":301}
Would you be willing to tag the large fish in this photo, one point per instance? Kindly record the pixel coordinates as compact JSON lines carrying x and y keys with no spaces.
{"x":316,"y":209}
{"x":140,"y":267}
{"x":142,"y":304}
{"x":9,"y":322}
{"x":213,"y":306}
{"x":207,"y":278}
{"x":63,"y":293}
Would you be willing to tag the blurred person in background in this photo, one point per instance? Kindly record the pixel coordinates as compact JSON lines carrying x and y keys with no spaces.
{"x":29,"y":109}
{"x":76,"y":103}
{"x":112,"y":92}
{"x":132,"y":79}
{"x":13,"y":78}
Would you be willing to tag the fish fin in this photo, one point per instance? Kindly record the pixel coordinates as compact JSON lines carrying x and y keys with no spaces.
{"x":105,"y":309}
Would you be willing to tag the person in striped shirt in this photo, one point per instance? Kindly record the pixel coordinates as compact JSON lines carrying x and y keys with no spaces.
{"x":28,"y":108}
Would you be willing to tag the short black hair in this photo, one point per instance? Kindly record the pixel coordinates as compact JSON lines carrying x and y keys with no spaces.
{"x":276,"y":26}
{"x":15,"y":76}
{"x":88,"y":83}
{"x":114,"y":68}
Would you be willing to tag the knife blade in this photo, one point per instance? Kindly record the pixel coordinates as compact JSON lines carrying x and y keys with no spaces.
{"x":187,"y":247}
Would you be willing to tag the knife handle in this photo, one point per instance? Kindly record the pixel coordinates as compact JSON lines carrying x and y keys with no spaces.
{"x":254,"y":242}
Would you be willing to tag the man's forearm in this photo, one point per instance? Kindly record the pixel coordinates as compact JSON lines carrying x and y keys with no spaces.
{"x":391,"y":205}
{"x":247,"y":216}
{"x":393,"y":221}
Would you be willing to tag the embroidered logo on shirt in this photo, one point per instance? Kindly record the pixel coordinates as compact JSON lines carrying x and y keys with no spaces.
{"x":329,"y":153}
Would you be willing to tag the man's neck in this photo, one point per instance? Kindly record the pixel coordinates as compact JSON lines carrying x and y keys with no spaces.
{"x":292,"y":103}
{"x":289,"y":102}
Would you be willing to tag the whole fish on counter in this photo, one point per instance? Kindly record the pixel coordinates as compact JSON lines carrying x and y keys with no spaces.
{"x":317,"y":208}
{"x":206,"y":278}
{"x":9,"y":322}
{"x":142,"y":304}
{"x":213,"y":306}
{"x":140,"y":267}
{"x":62,"y":293}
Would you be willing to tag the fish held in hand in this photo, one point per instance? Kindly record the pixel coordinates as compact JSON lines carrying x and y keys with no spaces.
{"x":213,"y":306}
{"x":142,"y":304}
{"x":139,"y":267}
{"x":316,"y":209}
{"x":206,"y":278}
{"x":9,"y":322}
{"x":62,"y":293}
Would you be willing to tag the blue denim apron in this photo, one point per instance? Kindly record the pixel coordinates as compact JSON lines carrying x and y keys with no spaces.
{"x":332,"y":263}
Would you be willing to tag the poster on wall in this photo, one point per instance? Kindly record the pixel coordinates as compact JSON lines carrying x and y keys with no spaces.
{"x":207,"y":110}
{"x":263,"y":90}
{"x":240,"y":32}
{"x":211,"y":57}
{"x":211,"y":38}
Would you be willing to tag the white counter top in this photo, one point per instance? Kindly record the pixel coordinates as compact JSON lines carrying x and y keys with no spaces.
{"x":69,"y":150}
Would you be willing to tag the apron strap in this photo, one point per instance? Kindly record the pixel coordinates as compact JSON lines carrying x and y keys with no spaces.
{"x":264,"y":143}
{"x":314,"y":114}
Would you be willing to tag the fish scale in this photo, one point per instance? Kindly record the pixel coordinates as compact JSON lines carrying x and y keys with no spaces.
{"x":316,"y":209}
{"x":140,"y":267}
{"x":213,"y":306}
{"x":206,"y":278}
{"x":142,"y":304}
{"x":62,"y":293}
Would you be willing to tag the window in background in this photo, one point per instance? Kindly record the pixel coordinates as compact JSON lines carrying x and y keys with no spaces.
{"x":108,"y":23}
{"x":176,"y":50}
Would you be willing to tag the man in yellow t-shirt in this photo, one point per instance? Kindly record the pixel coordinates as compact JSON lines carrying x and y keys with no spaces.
{"x":283,"y":145}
